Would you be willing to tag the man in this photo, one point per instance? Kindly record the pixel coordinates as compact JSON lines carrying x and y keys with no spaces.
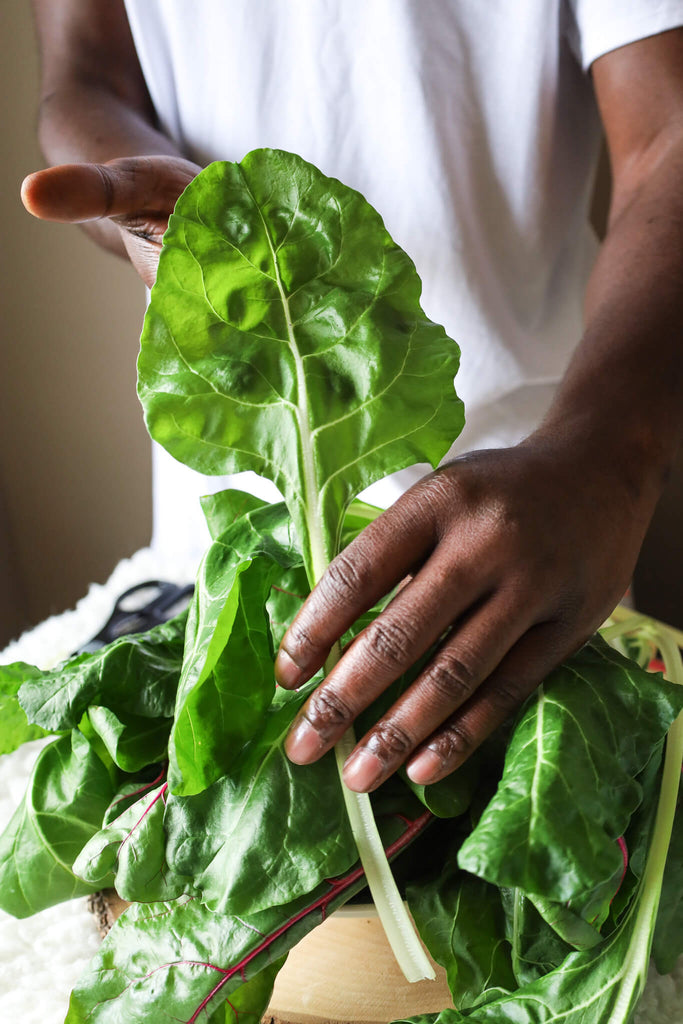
{"x":512,"y":554}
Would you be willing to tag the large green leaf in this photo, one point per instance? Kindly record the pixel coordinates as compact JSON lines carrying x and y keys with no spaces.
{"x":227,"y":680}
{"x":568,"y":789}
{"x":67,"y":796}
{"x":285,"y":335}
{"x":263,"y":833}
{"x":137,"y":674}
{"x":15,"y":728}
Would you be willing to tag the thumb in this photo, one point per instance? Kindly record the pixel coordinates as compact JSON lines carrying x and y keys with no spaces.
{"x":74,"y":193}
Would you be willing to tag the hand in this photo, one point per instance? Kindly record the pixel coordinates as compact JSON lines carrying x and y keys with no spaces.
{"x":136,"y":195}
{"x":514,"y":558}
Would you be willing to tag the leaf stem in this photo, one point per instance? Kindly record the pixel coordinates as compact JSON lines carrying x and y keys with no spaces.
{"x":397,"y":924}
{"x":636,"y":961}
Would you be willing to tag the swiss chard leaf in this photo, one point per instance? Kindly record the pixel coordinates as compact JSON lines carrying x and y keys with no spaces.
{"x":129,"y":854}
{"x":285,"y":335}
{"x":231,"y":838}
{"x":568,"y":788}
{"x":137,"y":674}
{"x":223,"y":509}
{"x":132,"y":741}
{"x":15,"y":728}
{"x":668,"y":937}
{"x":461,"y":921}
{"x":67,"y":796}
{"x":227,"y":680}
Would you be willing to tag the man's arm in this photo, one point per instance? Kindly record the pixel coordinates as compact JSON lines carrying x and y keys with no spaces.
{"x":518,"y":555}
{"x":118,"y":174}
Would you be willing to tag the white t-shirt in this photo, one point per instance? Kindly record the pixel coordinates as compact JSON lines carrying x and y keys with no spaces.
{"x":470,"y":125}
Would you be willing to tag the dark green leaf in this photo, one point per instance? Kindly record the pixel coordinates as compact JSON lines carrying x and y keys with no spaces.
{"x":129,"y":854}
{"x":462,"y":923}
{"x":248,"y":1003}
{"x":451,"y":796}
{"x":67,"y":796}
{"x":261,"y":835}
{"x":568,"y":789}
{"x":227,"y":679}
{"x":668,"y":937}
{"x":137,"y":674}
{"x":132,"y":741}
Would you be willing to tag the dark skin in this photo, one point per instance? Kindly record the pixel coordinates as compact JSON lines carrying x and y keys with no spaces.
{"x":517,"y":555}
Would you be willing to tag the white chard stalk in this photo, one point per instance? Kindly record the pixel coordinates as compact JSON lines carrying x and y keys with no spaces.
{"x":634,"y":969}
{"x":391,"y":909}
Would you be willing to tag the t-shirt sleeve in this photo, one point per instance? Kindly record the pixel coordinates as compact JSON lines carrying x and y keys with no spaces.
{"x":598,"y":26}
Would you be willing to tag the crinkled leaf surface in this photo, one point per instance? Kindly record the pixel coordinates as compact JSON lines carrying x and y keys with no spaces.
{"x":263,"y":833}
{"x":67,"y":796}
{"x":129,"y":854}
{"x":227,"y":680}
{"x":568,"y":788}
{"x":15,"y":728}
{"x":285,"y":335}
{"x":248,"y":1003}
{"x":137,"y":674}
{"x":590,"y":987}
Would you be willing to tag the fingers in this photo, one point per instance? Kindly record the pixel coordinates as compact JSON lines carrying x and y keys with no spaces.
{"x":468,"y":656}
{"x":364,"y":572}
{"x":75,"y":193}
{"x":520,"y":672}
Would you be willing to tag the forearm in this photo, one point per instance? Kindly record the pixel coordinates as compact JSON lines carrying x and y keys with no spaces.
{"x":623,"y":392}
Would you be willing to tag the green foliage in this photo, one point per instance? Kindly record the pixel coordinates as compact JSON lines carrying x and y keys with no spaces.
{"x":135,"y":674}
{"x":68,"y":793}
{"x":15,"y":728}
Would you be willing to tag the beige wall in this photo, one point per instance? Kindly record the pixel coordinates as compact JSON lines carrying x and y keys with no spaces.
{"x":74,"y":457}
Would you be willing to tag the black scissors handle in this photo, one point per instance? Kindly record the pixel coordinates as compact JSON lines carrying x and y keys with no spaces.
{"x":139,"y":608}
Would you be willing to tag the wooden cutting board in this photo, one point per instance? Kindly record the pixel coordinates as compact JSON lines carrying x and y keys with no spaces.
{"x":340,"y":973}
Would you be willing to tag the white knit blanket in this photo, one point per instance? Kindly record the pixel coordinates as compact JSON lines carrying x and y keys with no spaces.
{"x":42,"y":957}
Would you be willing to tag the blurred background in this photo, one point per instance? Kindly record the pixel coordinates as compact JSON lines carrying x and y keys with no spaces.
{"x":75,"y":488}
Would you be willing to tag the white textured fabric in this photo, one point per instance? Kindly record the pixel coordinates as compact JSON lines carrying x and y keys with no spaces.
{"x":470,"y":125}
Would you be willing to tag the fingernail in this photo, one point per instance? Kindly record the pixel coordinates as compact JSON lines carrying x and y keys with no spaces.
{"x":287,"y":672}
{"x":362,"y":771}
{"x":424,"y":767}
{"x":303,"y":744}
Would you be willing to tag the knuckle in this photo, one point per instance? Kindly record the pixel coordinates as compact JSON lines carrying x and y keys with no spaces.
{"x":453,"y":743}
{"x":300,"y":644}
{"x":327,"y":710}
{"x":506,"y":697}
{"x":391,"y":739}
{"x":452,"y":678}
{"x":389,"y":641}
{"x":342,"y":580}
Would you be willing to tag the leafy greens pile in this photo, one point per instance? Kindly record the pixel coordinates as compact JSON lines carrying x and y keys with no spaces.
{"x":285,"y":335}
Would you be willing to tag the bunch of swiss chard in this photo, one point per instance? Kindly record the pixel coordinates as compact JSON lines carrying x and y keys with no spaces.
{"x":285,"y":335}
